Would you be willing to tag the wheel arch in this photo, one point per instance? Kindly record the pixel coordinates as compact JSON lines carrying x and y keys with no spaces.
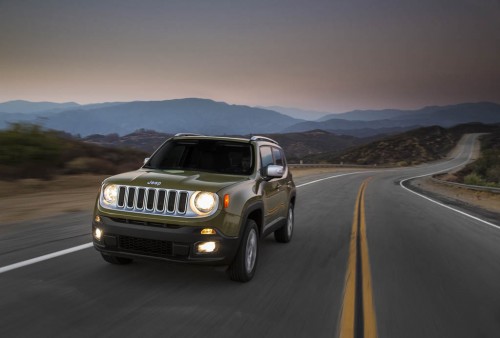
{"x":255,"y":212}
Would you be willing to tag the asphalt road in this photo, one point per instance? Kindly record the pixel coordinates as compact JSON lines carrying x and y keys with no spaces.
{"x":432,"y":272}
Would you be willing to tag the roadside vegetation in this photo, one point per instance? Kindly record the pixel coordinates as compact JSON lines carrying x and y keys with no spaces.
{"x":409,"y":148}
{"x":28,"y":151}
{"x":485,"y":170}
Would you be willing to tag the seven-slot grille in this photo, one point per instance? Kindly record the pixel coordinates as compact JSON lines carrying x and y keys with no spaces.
{"x":152,"y":200}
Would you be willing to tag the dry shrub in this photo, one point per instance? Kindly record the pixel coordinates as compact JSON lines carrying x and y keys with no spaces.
{"x":89,"y":165}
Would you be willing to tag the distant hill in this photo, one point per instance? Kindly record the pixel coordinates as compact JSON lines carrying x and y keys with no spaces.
{"x":353,"y":128}
{"x":38,"y":112}
{"x":373,"y":115}
{"x":218,"y":118}
{"x":299,"y":145}
{"x":171,"y":116}
{"x":372,"y":122}
{"x":455,"y":114}
{"x":144,"y":140}
{"x":28,"y":151}
{"x":7,"y":118}
{"x":27,"y":107}
{"x":296,"y":145}
{"x":303,"y":114}
{"x":483,"y":112}
{"x":409,"y":148}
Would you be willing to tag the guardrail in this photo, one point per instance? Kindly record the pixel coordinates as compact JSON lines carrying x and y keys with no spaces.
{"x":467,"y":186}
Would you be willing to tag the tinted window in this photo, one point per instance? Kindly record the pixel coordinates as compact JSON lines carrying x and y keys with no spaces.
{"x":266,"y":156}
{"x":204,"y":155}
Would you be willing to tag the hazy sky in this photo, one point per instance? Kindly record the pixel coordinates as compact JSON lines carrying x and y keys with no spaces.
{"x":332,"y":55}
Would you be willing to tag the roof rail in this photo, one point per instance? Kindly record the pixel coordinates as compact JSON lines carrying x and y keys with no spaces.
{"x":187,"y":134}
{"x":262,"y":138}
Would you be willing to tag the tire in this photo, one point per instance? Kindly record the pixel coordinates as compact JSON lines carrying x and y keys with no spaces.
{"x":285,"y":233}
{"x":242,"y":269}
{"x":116,"y":260}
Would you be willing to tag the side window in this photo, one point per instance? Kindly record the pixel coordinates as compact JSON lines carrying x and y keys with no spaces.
{"x":266,"y":156}
{"x":278,"y":157}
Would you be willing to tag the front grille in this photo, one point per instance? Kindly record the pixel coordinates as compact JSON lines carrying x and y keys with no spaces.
{"x":144,"y":246}
{"x":153,"y":200}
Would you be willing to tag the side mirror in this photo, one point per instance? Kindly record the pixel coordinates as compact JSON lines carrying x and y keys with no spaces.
{"x":273,"y":171}
{"x":146,"y":160}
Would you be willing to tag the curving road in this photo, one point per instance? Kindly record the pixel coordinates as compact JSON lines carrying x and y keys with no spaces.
{"x":368,"y":259}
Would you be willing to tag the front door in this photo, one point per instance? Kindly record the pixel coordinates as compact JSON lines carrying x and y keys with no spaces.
{"x":274,"y":191}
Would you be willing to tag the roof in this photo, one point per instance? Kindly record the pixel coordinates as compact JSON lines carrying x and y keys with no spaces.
{"x":224,"y":138}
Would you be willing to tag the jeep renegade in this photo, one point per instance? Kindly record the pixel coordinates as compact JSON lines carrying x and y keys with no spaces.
{"x":198,"y":199}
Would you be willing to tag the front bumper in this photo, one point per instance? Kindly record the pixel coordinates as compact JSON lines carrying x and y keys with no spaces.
{"x":134,"y":239}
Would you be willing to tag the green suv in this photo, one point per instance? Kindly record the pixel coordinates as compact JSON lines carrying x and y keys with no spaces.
{"x":198,"y":199}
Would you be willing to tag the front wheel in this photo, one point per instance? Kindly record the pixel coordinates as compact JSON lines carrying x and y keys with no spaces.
{"x":284,"y":234}
{"x":242,"y":269}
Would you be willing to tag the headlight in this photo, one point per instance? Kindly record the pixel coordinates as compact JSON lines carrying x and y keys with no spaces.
{"x":203,"y":202}
{"x":110,"y":194}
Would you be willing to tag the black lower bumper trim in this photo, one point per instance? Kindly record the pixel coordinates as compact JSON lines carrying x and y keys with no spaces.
{"x":136,"y":241}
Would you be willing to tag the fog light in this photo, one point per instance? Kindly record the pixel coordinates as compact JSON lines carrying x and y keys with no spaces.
{"x":208,"y":231}
{"x":206,"y":247}
{"x":98,"y":234}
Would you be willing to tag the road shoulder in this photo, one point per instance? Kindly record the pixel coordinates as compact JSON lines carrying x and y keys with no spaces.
{"x":481,"y":203}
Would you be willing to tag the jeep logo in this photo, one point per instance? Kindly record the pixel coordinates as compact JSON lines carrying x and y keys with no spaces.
{"x":154,"y":183}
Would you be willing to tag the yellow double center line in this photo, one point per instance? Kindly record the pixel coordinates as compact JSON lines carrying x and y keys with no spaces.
{"x":358,"y":312}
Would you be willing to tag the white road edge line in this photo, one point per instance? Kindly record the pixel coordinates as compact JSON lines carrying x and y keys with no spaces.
{"x":401,"y":183}
{"x":89,"y":245}
{"x":45,"y":257}
{"x":451,"y":208}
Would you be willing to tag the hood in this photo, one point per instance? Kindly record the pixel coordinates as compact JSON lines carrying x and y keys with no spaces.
{"x":176,"y":179}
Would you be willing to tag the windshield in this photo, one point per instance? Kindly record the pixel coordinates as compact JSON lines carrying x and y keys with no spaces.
{"x":216,"y":156}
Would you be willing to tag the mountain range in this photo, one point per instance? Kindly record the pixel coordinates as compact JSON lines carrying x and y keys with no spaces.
{"x":390,"y":121}
{"x":44,"y":108}
{"x":297,"y":113}
{"x":171,"y":116}
{"x":219,"y":118}
{"x":296,"y":145}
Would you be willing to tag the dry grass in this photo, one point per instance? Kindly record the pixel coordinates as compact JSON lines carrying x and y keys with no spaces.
{"x":32,"y":199}
{"x":483,"y":199}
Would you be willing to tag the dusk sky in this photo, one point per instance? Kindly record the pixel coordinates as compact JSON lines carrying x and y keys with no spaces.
{"x":331,"y":56}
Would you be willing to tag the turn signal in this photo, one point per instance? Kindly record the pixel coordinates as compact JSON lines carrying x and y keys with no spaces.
{"x":226,"y":201}
{"x":208,"y":231}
